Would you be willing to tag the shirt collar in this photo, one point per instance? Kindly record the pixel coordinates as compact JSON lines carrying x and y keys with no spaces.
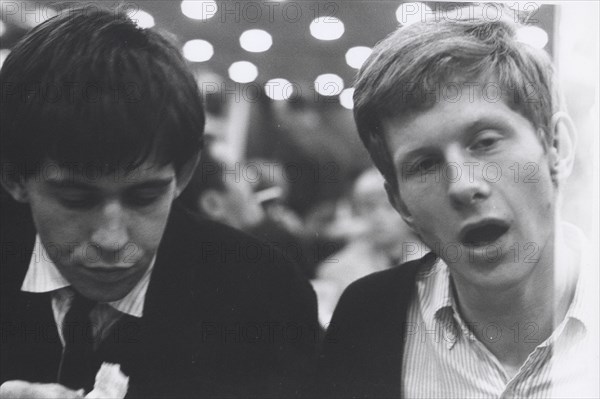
{"x":434,"y":287}
{"x":437,"y":293}
{"x":43,"y":276}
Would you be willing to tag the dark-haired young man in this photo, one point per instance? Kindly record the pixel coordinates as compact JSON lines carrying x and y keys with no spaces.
{"x":100,"y":131}
{"x":467,"y":126}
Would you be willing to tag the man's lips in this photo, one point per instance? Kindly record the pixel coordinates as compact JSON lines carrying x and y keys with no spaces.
{"x":483,"y":232}
{"x":109,"y":273}
{"x":108,"y":270}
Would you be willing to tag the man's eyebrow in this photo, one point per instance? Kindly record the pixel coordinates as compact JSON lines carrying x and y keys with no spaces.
{"x":406,"y":156}
{"x":76,"y":184}
{"x":153,"y":184}
{"x":69,"y":183}
{"x":486,"y":122}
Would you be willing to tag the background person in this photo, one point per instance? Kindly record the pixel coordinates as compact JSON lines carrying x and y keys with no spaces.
{"x":378,"y":239}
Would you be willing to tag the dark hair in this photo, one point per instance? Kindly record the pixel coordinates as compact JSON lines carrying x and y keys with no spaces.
{"x":404,"y":72}
{"x":209,"y":175}
{"x":90,"y":86}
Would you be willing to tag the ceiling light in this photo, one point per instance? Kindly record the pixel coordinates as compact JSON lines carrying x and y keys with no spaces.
{"x":346,"y":98}
{"x":198,"y":50}
{"x":409,"y":13}
{"x":243,"y":72}
{"x":279,"y":89}
{"x":532,"y":35}
{"x":327,"y":28}
{"x":256,"y":40}
{"x":356,"y":56}
{"x":329,"y":84}
{"x":199,"y":9}
{"x":143,"y":19}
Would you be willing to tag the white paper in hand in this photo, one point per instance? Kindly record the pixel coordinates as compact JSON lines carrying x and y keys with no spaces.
{"x":110,"y":383}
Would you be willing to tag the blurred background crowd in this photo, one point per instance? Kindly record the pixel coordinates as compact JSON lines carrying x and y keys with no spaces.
{"x":283,"y":160}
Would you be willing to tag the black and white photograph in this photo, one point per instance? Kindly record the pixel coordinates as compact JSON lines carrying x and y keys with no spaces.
{"x":299,"y":199}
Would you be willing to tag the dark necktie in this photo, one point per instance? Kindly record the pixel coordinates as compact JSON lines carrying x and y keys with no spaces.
{"x":79,"y":364}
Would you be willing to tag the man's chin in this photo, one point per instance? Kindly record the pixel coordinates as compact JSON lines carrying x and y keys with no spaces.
{"x":105,"y":297}
{"x":105,"y":292}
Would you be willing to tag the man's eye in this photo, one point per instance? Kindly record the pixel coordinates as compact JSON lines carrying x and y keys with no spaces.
{"x":421,"y":166}
{"x":144,"y":198}
{"x":424,"y":165}
{"x":485,"y":142}
{"x":77,"y":201}
{"x":427,"y":164}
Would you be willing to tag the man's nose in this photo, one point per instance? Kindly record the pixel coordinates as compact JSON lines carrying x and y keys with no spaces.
{"x":111,"y":231}
{"x":466,"y":182}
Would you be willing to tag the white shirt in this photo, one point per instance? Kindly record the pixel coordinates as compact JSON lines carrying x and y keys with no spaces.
{"x":443,"y":359}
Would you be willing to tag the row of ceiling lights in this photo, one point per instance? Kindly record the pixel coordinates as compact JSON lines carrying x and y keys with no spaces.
{"x":322,"y":28}
{"x":258,"y":40}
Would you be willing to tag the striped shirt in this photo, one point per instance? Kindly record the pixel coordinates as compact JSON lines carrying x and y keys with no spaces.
{"x":443,"y":358}
{"x":43,"y":276}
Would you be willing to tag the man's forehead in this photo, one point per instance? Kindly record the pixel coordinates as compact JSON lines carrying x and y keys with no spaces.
{"x":90,"y":172}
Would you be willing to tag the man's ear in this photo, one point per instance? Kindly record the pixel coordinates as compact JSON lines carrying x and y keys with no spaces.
{"x":561,"y":152}
{"x":399,"y":205}
{"x":185,"y":174}
{"x":210,"y":203}
{"x":15,"y":186}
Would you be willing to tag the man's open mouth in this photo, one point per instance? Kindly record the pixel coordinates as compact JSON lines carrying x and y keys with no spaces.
{"x":483,"y":233}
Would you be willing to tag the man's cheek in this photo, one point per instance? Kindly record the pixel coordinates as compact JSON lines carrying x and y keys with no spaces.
{"x":426,"y":232}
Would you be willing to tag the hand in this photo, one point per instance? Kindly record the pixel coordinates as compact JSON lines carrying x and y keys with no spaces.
{"x":16,"y":389}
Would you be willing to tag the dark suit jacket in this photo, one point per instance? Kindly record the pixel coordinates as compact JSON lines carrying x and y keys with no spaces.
{"x":225,"y":315}
{"x":363,"y":349}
